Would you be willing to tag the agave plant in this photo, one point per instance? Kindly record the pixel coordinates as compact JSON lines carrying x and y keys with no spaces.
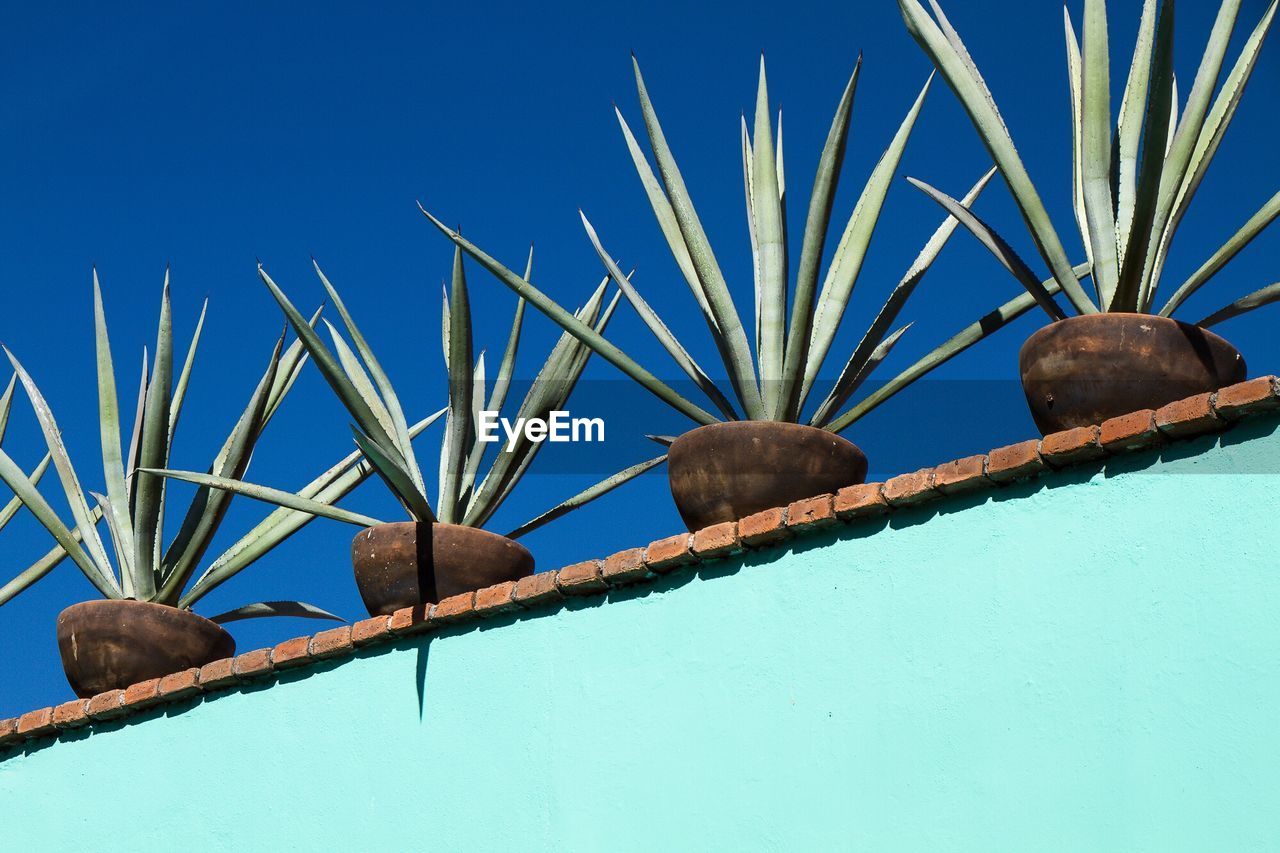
{"x":1132,"y":184}
{"x":11,"y":508}
{"x":463,"y":497}
{"x":135,"y":502}
{"x":789,"y":356}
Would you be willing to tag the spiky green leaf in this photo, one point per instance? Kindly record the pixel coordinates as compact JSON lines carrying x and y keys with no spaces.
{"x":850,"y":253}
{"x":1236,"y":244}
{"x":18,"y":483}
{"x":385,"y":389}
{"x":1262,"y":296}
{"x":586,"y":496}
{"x":507,"y":367}
{"x":206,"y":511}
{"x":953,"y":346}
{"x":855,"y":369}
{"x":460,"y":425}
{"x":1211,"y":135}
{"x":360,"y":379}
{"x":1075,"y":81}
{"x":80,"y":510}
{"x":329,"y":488}
{"x":39,"y":569}
{"x":659,"y":329}
{"x":395,"y":476}
{"x":6,"y":404}
{"x":817,"y":223}
{"x":562,"y":371}
{"x":576,"y":327}
{"x":1129,"y":294}
{"x":667,"y":223}
{"x":15,"y":503}
{"x":960,"y":72}
{"x":772,"y":247}
{"x":852,"y":377}
{"x":262,"y":609}
{"x":331,"y":368}
{"x":184,"y":377}
{"x":1129,"y":136}
{"x":997,"y":246}
{"x":1178,"y":161}
{"x":153,"y":452}
{"x":719,"y":300}
{"x":269,"y":495}
{"x":1096,"y":146}
{"x":120,"y":523}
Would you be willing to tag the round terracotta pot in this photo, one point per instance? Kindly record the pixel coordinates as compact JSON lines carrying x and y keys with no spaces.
{"x":1086,"y":369}
{"x":110,"y":644}
{"x":405,"y":563}
{"x":724,"y":472}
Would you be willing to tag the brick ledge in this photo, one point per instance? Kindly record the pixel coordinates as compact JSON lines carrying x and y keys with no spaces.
{"x":1141,"y":430}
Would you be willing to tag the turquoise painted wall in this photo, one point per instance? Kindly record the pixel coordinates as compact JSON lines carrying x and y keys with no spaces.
{"x":1089,"y":661}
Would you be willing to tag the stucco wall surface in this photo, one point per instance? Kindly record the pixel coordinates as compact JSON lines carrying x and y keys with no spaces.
{"x":1087,"y":661}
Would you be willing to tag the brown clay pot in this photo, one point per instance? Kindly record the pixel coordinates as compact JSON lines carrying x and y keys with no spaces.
{"x":724,"y":472}
{"x":1086,"y":369}
{"x":110,"y":644}
{"x":405,"y":563}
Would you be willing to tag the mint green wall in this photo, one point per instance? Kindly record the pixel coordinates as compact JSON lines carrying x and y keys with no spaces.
{"x":1090,"y":661}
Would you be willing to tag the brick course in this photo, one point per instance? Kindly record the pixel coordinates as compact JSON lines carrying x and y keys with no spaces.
{"x":491,"y":600}
{"x":910,"y":489}
{"x":860,"y":501}
{"x":670,"y":553}
{"x":581,"y":578}
{"x":718,"y":540}
{"x":1014,"y":462}
{"x":1192,"y":416}
{"x":764,"y":528}
{"x":536,"y":589}
{"x":1248,"y":398}
{"x":1133,"y":431}
{"x":291,"y":653}
{"x":624,"y":567}
{"x":962,"y":475}
{"x":68,"y":715}
{"x":335,"y":641}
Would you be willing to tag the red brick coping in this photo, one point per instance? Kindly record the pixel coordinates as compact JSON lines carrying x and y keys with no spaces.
{"x":1204,"y":413}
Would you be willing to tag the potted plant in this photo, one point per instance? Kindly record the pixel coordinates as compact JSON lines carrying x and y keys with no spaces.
{"x":144,"y":626}
{"x":441,"y":550}
{"x":1122,"y":351}
{"x":775,"y":445}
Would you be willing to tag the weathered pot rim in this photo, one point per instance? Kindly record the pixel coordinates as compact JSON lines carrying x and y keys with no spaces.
{"x":131,"y":603}
{"x":1106,"y":317}
{"x":761,"y":425}
{"x":476,"y":532}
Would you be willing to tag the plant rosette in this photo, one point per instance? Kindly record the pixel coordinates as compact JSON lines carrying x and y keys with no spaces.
{"x":772,"y":440}
{"x":145,"y":628}
{"x":1134,"y":179}
{"x":441,"y":550}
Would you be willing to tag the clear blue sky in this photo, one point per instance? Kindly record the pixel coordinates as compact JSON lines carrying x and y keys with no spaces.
{"x":209,"y":136}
